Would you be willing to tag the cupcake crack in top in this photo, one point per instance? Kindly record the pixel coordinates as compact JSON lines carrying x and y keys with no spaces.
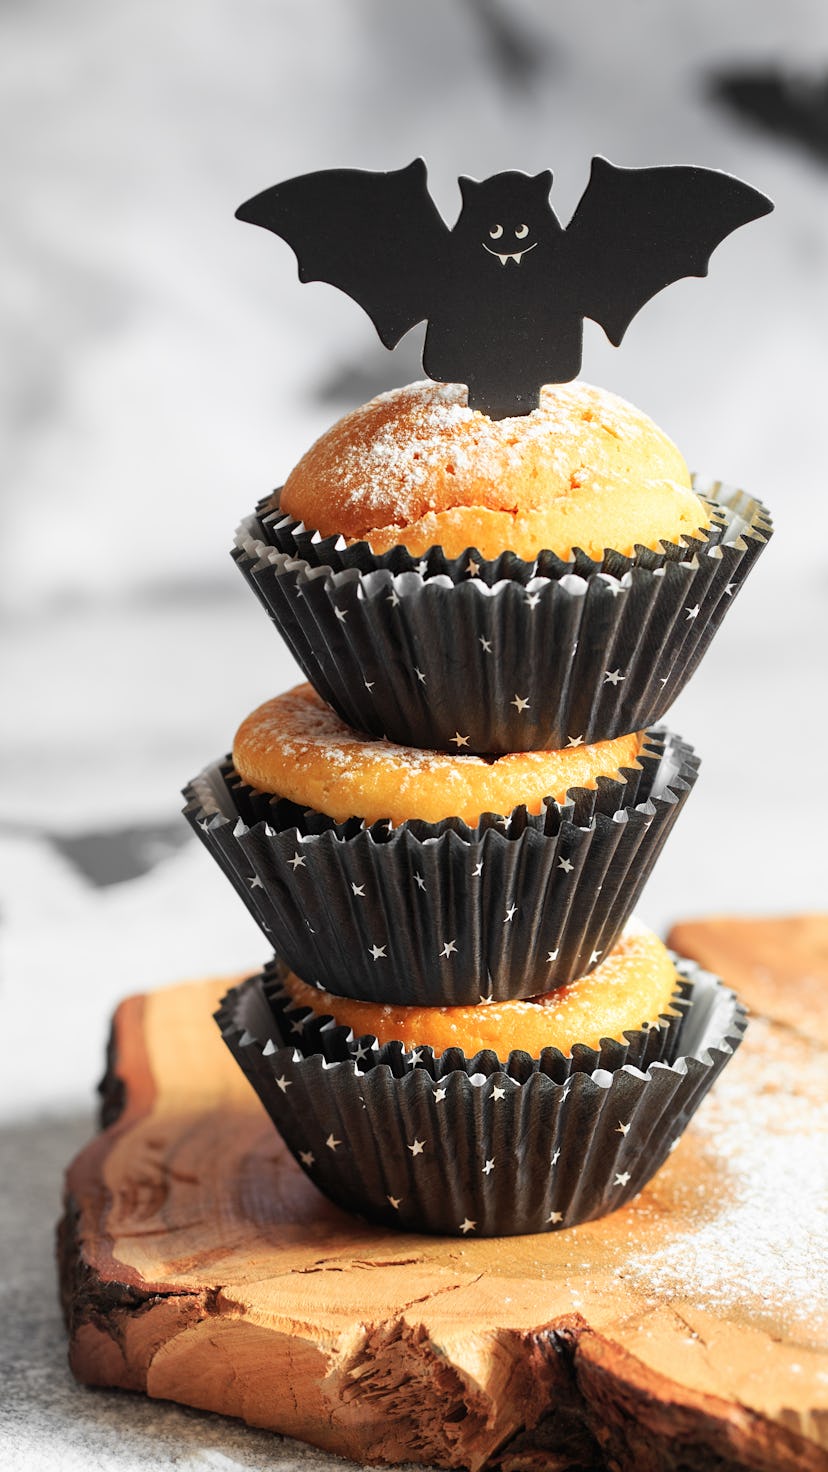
{"x":417,"y":467}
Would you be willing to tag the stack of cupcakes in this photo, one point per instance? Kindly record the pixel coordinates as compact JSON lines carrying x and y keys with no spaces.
{"x":444,"y":835}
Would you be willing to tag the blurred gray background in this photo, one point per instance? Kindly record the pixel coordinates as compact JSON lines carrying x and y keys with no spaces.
{"x":162,"y":368}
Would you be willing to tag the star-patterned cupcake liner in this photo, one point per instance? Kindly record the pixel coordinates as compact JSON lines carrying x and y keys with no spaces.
{"x":443,"y":914}
{"x":501,"y":656}
{"x":457,"y":1145}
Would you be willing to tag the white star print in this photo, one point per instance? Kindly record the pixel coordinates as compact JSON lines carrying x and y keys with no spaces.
{"x":393,"y":597}
{"x":458,"y":740}
{"x":449,"y":949}
{"x":594,"y":958}
{"x":622,"y":1178}
{"x":378,"y":953}
{"x":332,"y":1143}
{"x":439,"y":1095}
{"x":693,"y":612}
{"x":359,"y":891}
{"x":575,"y":741}
{"x":283,"y":1083}
{"x":510,"y":914}
{"x":414,"y":1057}
{"x":419,"y":881}
{"x":729,"y":590}
{"x":299,"y":1025}
{"x":472,"y":567}
{"x":307,"y":1157}
{"x":204,"y":825}
{"x":552,"y":956}
{"x":369,"y":684}
{"x":361,"y":1052}
{"x":255,"y":882}
{"x":467,"y":1226}
{"x":418,"y":1147}
{"x":613,"y":677}
{"x":566,"y":865}
{"x":420,"y":676}
{"x":395,"y":1201}
{"x":532,"y":600}
{"x":498,"y":1092}
{"x":664,"y":680}
{"x":341,"y":613}
{"x":555,"y":1216}
{"x":555,"y":1158}
{"x":623,"y":1129}
{"x":519,"y":703}
{"x":485,"y":1000}
{"x":297,"y":862}
{"x":478,"y":869}
{"x":422,"y":567}
{"x":485,"y":644}
{"x":488,"y":1167}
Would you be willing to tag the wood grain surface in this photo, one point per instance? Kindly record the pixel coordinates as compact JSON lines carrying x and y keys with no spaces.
{"x":200,"y":1265}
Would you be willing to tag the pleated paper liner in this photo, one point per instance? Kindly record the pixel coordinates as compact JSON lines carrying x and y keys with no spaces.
{"x":461,"y":1146}
{"x":443,"y":914}
{"x":520,"y":656}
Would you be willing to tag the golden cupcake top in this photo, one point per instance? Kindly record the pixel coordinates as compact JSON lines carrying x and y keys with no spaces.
{"x":630,"y":988}
{"x":298,"y":747}
{"x":417,"y":467}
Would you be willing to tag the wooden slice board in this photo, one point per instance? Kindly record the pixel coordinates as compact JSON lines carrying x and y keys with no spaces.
{"x":200,"y":1265}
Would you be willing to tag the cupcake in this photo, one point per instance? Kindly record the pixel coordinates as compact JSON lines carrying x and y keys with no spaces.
{"x":570,"y":1106}
{"x":402,"y":876}
{"x":528,"y":581}
{"x":417,"y":468}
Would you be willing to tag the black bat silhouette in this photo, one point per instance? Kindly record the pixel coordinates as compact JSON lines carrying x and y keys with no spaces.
{"x":505,"y":291}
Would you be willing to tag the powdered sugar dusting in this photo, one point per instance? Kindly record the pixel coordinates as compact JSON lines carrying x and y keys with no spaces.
{"x":407,"y":463}
{"x":297,"y":734}
{"x":755,"y":1224}
{"x":418,"y":451}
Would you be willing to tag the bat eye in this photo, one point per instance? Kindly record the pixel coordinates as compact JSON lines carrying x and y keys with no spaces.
{"x":521,"y":232}
{"x":496,"y":231}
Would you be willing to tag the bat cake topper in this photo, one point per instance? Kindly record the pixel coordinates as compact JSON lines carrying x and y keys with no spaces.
{"x":506,"y":289}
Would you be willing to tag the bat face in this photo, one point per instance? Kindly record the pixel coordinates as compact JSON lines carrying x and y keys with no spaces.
{"x":506,"y":217}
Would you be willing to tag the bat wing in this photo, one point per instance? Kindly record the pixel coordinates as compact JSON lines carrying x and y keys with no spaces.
{"x":378,"y":237}
{"x":637,"y":230}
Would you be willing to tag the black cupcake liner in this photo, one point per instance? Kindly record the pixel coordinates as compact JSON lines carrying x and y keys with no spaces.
{"x":461,"y":1146}
{"x":521,"y":656}
{"x":443,"y":914}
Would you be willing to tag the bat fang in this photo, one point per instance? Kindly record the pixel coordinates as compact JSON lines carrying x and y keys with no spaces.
{"x":516,"y":256}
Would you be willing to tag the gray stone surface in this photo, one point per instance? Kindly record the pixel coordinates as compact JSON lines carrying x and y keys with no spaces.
{"x":47,"y":1421}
